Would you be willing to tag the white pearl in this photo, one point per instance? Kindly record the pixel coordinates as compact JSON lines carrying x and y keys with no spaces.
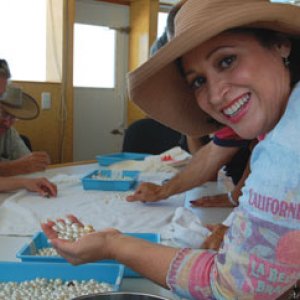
{"x":68,"y":221}
{"x":68,"y":230}
{"x":88,"y":228}
{"x":61,"y":225}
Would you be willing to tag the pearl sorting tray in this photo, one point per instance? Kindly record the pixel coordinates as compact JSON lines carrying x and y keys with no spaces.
{"x":109,"y":159}
{"x":15,"y":271}
{"x":39,"y":241}
{"x":109,"y":181}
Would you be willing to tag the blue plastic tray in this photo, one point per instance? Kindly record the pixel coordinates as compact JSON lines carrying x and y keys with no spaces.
{"x":39,"y":240}
{"x":15,"y":271}
{"x":90,"y":183}
{"x":109,"y":159}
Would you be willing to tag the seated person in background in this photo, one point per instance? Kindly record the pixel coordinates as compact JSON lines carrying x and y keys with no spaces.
{"x":15,"y":157}
{"x":40,"y":185}
{"x":149,"y":136}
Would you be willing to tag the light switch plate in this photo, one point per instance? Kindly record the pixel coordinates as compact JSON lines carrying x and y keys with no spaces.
{"x":46,"y":100}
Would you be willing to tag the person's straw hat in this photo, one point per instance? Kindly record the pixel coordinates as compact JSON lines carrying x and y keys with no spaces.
{"x":19,"y":104}
{"x":159,"y":89}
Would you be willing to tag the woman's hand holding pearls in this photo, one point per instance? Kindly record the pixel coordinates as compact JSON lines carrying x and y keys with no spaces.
{"x":70,"y":228}
{"x":79,"y":243}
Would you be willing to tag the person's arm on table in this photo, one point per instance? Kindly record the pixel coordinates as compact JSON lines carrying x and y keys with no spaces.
{"x":223,"y":200}
{"x":40,"y":185}
{"x":30,"y":163}
{"x":149,"y":259}
{"x":203,"y":167}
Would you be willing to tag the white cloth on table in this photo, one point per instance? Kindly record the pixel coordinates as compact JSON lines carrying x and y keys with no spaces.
{"x":23,"y":212}
{"x":188,"y":230}
{"x":228,"y":221}
{"x":156,"y":163}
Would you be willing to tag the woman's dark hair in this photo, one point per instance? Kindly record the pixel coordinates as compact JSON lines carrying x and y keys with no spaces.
{"x":268,"y":38}
{"x":295,"y":60}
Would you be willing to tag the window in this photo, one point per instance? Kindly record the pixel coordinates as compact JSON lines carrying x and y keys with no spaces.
{"x":162,"y":22}
{"x":296,"y":2}
{"x":94,"y":56}
{"x":23,"y":38}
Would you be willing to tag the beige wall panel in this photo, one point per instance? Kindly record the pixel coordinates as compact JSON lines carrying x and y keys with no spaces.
{"x":143,"y":23}
{"x":44,"y":131}
{"x":66,"y":151}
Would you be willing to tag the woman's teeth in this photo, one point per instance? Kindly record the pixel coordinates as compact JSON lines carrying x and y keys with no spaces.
{"x":236,"y":107}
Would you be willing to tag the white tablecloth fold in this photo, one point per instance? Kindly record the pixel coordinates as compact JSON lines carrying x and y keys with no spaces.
{"x":186,"y":229}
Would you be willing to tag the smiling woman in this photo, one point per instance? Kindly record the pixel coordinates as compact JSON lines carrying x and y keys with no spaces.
{"x":249,"y":86}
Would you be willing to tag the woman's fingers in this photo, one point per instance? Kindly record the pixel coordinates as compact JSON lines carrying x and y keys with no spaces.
{"x":47,"y":228}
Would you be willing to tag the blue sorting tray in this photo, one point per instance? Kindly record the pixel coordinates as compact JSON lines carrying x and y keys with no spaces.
{"x":39,"y":240}
{"x":109,"y":159}
{"x":15,"y":271}
{"x":90,"y":183}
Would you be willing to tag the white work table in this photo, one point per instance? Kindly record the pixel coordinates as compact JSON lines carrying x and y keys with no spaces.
{"x":10,"y":243}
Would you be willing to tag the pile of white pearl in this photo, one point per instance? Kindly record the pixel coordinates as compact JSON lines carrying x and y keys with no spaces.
{"x":54,"y":289}
{"x":113,"y":176}
{"x":67,"y":230}
{"x":46,"y":251}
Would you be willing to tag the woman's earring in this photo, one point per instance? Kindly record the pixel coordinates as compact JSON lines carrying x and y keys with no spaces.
{"x":286,"y":61}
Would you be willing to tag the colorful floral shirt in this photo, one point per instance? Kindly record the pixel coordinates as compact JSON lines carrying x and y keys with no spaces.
{"x":260,"y":255}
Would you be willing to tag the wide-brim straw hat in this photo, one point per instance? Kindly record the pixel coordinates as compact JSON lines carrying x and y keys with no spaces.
{"x":157,"y":86}
{"x":19,"y":104}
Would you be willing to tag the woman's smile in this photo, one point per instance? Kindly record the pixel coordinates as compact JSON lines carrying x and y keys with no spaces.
{"x":237,"y":108}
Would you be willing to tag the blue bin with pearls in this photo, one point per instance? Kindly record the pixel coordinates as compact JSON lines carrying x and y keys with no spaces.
{"x":111,"y":274}
{"x":30,"y":251}
{"x":110,"y":180}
